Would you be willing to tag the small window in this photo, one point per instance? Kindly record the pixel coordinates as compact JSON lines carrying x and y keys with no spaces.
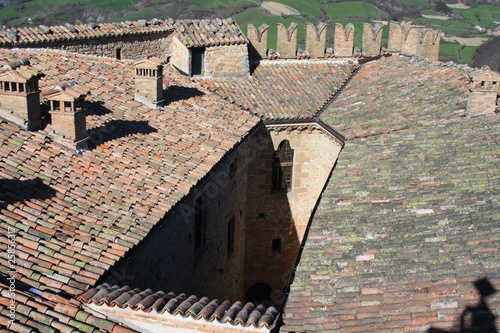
{"x":282,"y":167}
{"x":7,"y":86}
{"x":277,"y":245}
{"x":67,"y":106}
{"x":14,"y":86}
{"x":56,"y":105}
{"x":197,"y":61}
{"x":199,"y":225}
{"x":21,"y":87}
{"x":230,"y":236}
{"x":119,"y":53}
{"x":233,"y":168}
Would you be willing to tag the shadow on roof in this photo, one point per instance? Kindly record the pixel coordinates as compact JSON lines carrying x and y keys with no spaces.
{"x":115,"y":129}
{"x":96,"y":108}
{"x":15,"y":190}
{"x":476,"y":318}
{"x":178,"y":93}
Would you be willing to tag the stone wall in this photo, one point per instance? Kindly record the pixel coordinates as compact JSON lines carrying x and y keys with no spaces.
{"x":372,"y":39}
{"x":130,"y":47}
{"x":257,"y":48}
{"x":287,"y":40}
{"x":344,"y":40}
{"x":170,"y":260}
{"x":23,"y":109}
{"x":316,"y":39}
{"x":227,"y":61}
{"x":283,"y":216}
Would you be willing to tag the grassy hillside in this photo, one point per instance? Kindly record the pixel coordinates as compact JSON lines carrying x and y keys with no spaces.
{"x":454,"y":20}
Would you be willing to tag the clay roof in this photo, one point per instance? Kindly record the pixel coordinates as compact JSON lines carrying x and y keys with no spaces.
{"x":408,"y":221}
{"x":74,"y":215}
{"x":43,"y":34}
{"x":198,"y":33}
{"x":285,"y":89}
{"x":36,"y":313}
{"x":193,"y":33}
{"x":160,"y":305}
{"x":394,"y":93}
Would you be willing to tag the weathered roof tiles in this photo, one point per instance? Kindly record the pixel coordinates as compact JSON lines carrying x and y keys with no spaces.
{"x":237,"y":313}
{"x":75,"y":216}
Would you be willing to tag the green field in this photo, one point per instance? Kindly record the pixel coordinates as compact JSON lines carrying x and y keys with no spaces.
{"x":461,"y":22}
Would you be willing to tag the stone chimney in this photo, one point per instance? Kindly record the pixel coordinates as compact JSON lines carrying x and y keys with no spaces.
{"x":287,"y":40}
{"x":258,"y":41}
{"x":149,"y":81}
{"x":316,"y":39}
{"x":344,"y":40}
{"x":484,"y":94}
{"x":20,"y":95}
{"x":67,"y":112}
{"x":372,"y":39}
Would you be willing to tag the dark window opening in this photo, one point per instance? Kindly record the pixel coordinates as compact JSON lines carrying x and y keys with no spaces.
{"x":21,"y":87}
{"x":282,"y":167}
{"x":197,"y":61}
{"x":119,"y":53}
{"x":199,"y":225}
{"x":232,"y":169}
{"x":259,"y":293}
{"x":67,"y":106}
{"x":277,"y":245}
{"x":230,"y":236}
{"x":56,"y":105}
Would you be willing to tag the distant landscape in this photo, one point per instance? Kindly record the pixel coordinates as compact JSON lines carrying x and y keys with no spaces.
{"x":466,"y":25}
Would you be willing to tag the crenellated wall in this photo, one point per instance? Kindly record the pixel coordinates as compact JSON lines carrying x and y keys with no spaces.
{"x":404,"y":38}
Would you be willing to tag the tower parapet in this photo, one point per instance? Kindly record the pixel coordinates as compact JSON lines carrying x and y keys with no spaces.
{"x":316,"y":39}
{"x":372,"y":38}
{"x":258,"y":41}
{"x":287,"y":40}
{"x":343,"y":40}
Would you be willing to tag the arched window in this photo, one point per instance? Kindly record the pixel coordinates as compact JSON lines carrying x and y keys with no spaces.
{"x":282,"y":167}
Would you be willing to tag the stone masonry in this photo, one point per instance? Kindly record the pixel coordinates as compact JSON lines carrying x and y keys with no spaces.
{"x":372,"y":39}
{"x":258,"y":41}
{"x":344,"y":40}
{"x":316,"y":39}
{"x":287,"y":40}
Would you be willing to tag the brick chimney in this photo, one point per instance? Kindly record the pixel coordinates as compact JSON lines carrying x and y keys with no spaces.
{"x":20,"y":95}
{"x":149,"y":81}
{"x":67,"y":111}
{"x":484,"y":93}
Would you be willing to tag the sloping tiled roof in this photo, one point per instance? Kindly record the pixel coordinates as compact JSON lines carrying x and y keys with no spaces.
{"x":197,"y":33}
{"x":409,"y":219}
{"x":34,"y":313}
{"x":75,"y":216}
{"x":193,"y":33}
{"x":394,"y":93}
{"x":159,"y":303}
{"x":285,"y":89}
{"x":43,"y":34}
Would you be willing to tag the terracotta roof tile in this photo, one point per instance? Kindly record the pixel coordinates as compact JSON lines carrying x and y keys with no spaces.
{"x":194,"y":33}
{"x":158,"y":303}
{"x":409,"y":217}
{"x":284,"y":89}
{"x":80,"y":195}
{"x":36,"y":312}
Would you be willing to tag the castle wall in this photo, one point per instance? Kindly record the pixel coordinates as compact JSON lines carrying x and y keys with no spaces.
{"x":287,"y":40}
{"x":224,"y":61}
{"x":283,"y":215}
{"x":130,"y":47}
{"x":344,"y":40}
{"x":170,"y":260}
{"x":257,"y":47}
{"x":316,"y":39}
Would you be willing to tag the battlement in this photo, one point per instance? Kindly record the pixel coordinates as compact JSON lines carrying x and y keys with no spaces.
{"x":404,"y":38}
